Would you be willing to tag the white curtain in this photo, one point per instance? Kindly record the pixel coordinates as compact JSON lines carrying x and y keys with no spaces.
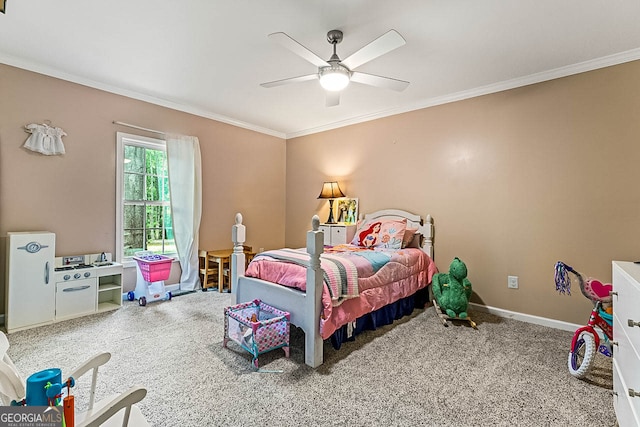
{"x":185,"y":183}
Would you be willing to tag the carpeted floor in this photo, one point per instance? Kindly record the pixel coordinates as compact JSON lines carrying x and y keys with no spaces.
{"x":414,"y":372}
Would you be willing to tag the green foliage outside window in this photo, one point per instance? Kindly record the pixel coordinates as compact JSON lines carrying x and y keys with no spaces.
{"x":147,"y":213}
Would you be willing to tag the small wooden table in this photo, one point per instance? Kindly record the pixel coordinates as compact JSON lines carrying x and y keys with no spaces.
{"x":222,"y":258}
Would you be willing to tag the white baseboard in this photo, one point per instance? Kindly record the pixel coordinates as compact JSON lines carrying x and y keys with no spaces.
{"x":172,"y":288}
{"x":543,"y":321}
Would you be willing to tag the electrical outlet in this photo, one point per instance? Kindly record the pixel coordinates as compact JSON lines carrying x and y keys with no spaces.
{"x":512,"y":282}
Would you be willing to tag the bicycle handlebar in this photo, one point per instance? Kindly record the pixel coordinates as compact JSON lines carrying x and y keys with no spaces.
{"x":563,"y":282}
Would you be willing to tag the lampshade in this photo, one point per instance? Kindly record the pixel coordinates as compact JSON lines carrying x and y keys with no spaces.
{"x":330,"y":190}
{"x":334,"y":78}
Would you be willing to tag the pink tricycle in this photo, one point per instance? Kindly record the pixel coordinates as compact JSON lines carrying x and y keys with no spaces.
{"x":586,"y":339}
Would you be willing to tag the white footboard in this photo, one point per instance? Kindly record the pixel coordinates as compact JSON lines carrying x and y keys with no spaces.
{"x":304,"y":308}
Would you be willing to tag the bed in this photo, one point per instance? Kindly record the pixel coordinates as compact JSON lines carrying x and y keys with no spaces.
{"x":317,"y":309}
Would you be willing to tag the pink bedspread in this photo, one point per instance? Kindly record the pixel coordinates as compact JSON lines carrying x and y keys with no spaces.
{"x":384,"y":276}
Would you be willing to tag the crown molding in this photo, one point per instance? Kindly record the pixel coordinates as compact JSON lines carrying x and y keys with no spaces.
{"x":52,"y":72}
{"x":569,"y":70}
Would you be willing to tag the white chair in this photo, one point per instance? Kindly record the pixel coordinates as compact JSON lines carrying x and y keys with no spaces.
{"x":116,"y":410}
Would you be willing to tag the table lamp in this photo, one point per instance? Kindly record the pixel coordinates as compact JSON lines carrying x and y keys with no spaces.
{"x":330,"y":190}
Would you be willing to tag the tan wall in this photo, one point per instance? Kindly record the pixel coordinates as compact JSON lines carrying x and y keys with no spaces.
{"x":74,"y":195}
{"x":514,"y":181}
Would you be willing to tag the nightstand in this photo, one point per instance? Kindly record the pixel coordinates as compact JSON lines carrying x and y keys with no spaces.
{"x":337,"y":234}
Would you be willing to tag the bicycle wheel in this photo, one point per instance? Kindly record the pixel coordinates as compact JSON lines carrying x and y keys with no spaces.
{"x":581,"y":356}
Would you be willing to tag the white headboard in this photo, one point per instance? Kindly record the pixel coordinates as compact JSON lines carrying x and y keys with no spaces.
{"x":413,"y":221}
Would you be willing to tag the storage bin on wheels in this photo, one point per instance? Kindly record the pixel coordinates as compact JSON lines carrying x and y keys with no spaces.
{"x":152,"y":271}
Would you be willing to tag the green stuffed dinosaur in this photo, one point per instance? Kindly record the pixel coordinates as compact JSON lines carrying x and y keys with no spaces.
{"x":452,"y":290}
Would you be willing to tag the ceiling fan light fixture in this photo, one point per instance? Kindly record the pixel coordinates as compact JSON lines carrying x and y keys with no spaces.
{"x":334,"y":78}
{"x":335,"y":74}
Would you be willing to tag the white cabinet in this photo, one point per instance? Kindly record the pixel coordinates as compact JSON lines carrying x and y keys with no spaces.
{"x":74,"y":299}
{"x":337,"y":234}
{"x":100,"y":291}
{"x":109,"y":287}
{"x":626,"y":333}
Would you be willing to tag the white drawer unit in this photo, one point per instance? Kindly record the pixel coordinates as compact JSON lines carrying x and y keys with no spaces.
{"x":337,"y":234}
{"x":626,"y":333}
{"x":76,"y":298}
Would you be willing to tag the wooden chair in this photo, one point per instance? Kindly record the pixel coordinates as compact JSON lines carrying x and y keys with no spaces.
{"x":208,"y":271}
{"x":226,"y":280}
{"x":115,"y":410}
{"x":248,"y":256}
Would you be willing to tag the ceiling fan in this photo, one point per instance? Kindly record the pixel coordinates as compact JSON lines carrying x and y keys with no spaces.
{"x":335,"y":74}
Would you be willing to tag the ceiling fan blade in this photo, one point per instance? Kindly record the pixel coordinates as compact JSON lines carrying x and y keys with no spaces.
{"x":298,"y":49}
{"x":385,"y":43}
{"x":378,"y":81}
{"x":290,"y":80}
{"x":333,"y":99}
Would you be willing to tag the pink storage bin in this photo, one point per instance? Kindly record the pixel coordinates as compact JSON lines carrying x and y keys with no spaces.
{"x":154,"y":267}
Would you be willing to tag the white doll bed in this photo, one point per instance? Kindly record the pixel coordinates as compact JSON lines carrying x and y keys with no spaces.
{"x":305,"y":308}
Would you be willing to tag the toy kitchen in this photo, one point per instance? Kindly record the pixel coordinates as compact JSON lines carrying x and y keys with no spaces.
{"x":87,"y":284}
{"x":77,"y":285}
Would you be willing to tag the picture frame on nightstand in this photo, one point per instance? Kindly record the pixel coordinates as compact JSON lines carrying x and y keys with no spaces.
{"x":347,"y":210}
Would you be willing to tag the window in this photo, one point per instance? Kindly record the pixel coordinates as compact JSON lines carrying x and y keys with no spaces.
{"x":143,"y":216}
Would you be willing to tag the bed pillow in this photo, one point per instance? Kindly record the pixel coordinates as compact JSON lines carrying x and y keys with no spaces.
{"x":362,"y":229}
{"x":416,"y":242}
{"x":384,"y":233}
{"x":408,"y":236}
